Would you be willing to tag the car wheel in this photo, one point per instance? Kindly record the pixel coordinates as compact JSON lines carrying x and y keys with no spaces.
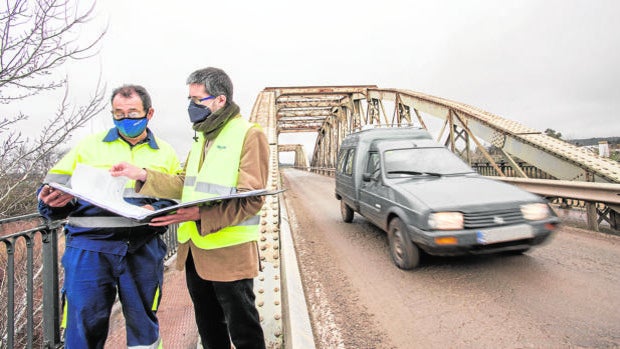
{"x":346,"y":212}
{"x":405,"y":253}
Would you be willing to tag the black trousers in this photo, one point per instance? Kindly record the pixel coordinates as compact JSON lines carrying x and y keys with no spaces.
{"x":225,"y":311}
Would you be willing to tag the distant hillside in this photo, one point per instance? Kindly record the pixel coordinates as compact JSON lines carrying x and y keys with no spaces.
{"x":593,"y":141}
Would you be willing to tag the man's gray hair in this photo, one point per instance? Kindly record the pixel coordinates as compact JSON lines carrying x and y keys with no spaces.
{"x":215,"y":81}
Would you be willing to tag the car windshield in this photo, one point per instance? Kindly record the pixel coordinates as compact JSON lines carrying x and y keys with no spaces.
{"x":423,"y":161}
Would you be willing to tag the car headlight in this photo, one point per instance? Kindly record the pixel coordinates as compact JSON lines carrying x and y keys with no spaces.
{"x":446,"y":220}
{"x":535,"y":212}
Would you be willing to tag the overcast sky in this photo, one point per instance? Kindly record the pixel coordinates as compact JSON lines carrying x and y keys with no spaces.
{"x":546,"y":64}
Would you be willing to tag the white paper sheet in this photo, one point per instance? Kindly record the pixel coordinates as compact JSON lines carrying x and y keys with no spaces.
{"x":98,"y":187}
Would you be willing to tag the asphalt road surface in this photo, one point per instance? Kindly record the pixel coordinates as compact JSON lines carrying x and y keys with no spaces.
{"x":564,"y":294}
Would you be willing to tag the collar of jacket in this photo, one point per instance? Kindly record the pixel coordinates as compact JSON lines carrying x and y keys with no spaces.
{"x":212,"y":126}
{"x":114,"y":135}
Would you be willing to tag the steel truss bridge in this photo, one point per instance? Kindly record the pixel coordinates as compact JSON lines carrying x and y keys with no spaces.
{"x":333,"y":112}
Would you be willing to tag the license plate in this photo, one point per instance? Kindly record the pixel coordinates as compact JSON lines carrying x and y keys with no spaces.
{"x":501,"y":234}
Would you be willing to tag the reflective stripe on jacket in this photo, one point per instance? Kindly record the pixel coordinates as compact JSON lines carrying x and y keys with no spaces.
{"x":217,"y":176}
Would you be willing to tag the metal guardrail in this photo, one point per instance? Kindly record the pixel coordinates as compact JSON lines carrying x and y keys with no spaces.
{"x":31,"y":296}
{"x":486,"y":169}
{"x":602,"y":200}
{"x":31,"y":322}
{"x":606,"y":193}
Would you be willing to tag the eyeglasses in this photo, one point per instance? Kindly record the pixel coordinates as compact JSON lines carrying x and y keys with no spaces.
{"x":198,"y":100}
{"x":131,"y":115}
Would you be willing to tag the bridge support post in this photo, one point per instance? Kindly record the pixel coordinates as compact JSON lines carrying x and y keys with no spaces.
{"x":614,"y":218}
{"x":592,"y":216}
{"x":51,"y":300}
{"x":591,"y":211}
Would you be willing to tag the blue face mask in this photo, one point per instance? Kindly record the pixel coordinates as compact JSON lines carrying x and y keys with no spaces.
{"x":131,"y":128}
{"x":197,"y":112}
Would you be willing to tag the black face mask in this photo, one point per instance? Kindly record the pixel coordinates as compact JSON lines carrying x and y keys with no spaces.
{"x":198,"y":113}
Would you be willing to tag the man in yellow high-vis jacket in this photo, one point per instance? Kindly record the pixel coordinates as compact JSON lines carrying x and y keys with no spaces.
{"x":217,"y":244}
{"x":105,"y":254}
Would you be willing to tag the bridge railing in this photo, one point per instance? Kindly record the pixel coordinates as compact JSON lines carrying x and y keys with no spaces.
{"x":601,"y":201}
{"x":30,"y":276}
{"x":30,"y":262}
{"x":486,"y":169}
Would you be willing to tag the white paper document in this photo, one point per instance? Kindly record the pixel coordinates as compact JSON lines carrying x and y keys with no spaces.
{"x":99,"y":188}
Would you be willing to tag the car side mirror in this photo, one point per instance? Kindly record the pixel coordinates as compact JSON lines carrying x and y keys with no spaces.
{"x":366,"y":177}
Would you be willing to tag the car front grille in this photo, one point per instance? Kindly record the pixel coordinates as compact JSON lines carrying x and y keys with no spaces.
{"x":493,"y":218}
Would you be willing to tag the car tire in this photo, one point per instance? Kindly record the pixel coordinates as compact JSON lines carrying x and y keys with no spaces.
{"x":346,"y":212}
{"x":404,"y":252}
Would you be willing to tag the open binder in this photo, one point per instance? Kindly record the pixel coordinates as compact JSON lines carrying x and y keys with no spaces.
{"x":99,"y":188}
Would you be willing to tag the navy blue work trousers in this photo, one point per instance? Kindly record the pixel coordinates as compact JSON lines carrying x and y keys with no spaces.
{"x":90,"y":287}
{"x":224,"y":311}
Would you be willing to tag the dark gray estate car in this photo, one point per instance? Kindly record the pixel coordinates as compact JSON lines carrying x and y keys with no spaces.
{"x":425,"y":197}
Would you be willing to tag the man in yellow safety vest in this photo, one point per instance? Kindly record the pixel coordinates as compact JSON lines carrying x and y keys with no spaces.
{"x":105,"y":254}
{"x":217,"y":243}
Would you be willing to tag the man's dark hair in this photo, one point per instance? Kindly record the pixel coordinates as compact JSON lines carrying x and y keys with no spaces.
{"x":215,"y":81}
{"x":128,"y":90}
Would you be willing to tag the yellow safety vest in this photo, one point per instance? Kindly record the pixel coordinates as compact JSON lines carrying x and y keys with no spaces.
{"x":104,"y":149}
{"x":217,"y":176}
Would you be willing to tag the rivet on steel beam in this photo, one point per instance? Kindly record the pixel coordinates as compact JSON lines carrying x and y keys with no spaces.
{"x":276,"y":289}
{"x":277,"y":316}
{"x":263,"y":238}
{"x":261,"y":291}
{"x":260,"y":304}
{"x":277,"y":302}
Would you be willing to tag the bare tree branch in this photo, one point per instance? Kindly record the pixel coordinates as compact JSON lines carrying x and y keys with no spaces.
{"x":47,"y":36}
{"x":37,"y":38}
